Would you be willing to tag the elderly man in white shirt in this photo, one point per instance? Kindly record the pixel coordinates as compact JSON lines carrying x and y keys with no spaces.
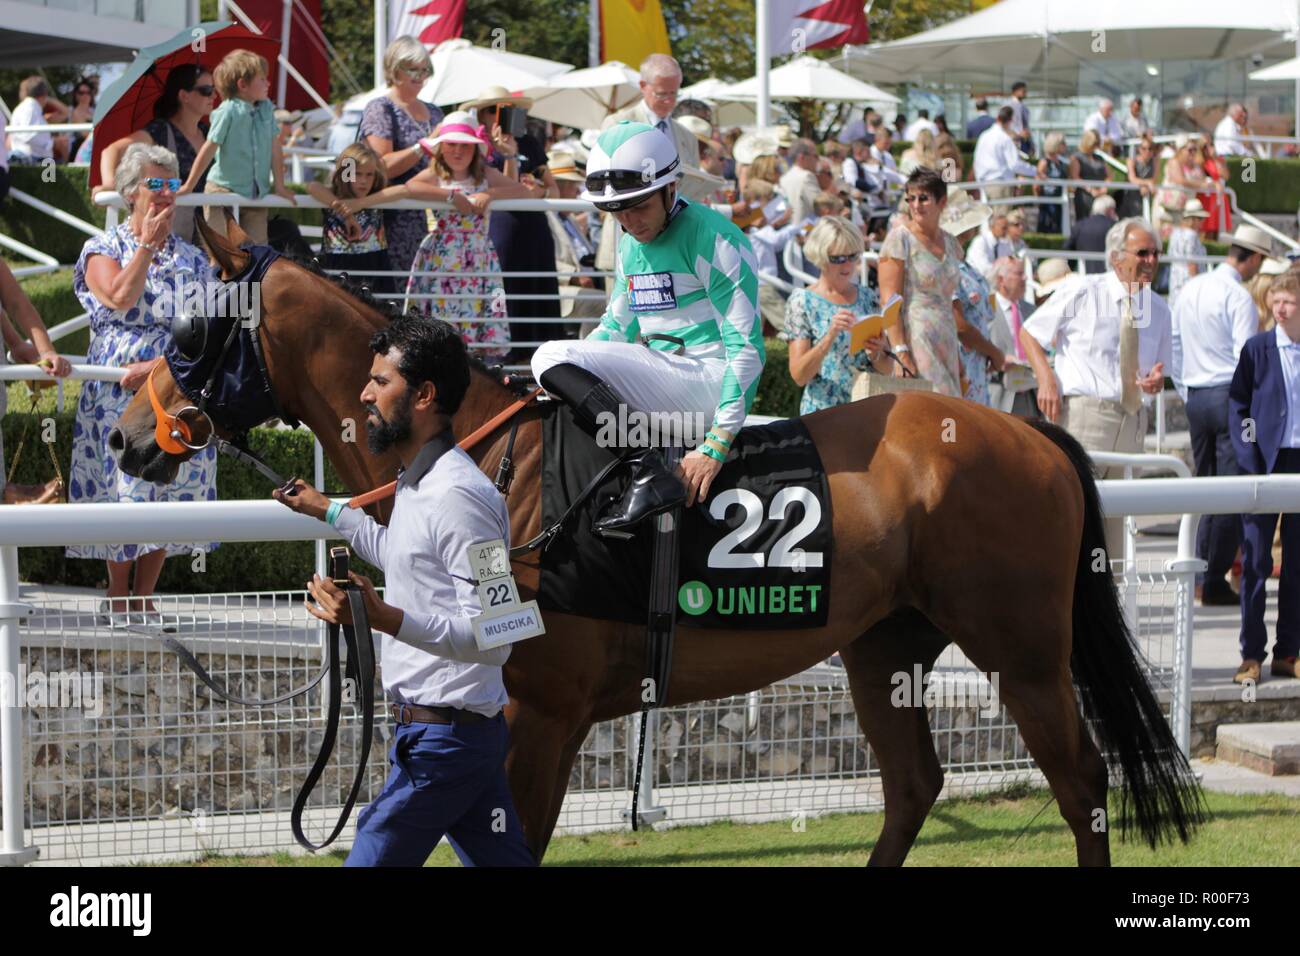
{"x":1229,"y":132}
{"x":1214,"y":316}
{"x":990,"y":244}
{"x":1008,"y":280}
{"x":1105,"y":124}
{"x":1111,"y":333}
{"x":998,"y":157}
{"x":31,"y":147}
{"x":799,"y":182}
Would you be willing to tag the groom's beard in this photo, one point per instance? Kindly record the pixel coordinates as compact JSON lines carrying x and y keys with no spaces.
{"x":383,"y":436}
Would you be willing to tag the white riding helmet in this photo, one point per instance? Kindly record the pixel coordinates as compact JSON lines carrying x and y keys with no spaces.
{"x":629,"y":160}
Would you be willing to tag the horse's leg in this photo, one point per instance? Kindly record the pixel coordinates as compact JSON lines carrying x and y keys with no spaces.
{"x":565,"y":767}
{"x":1045,"y":710}
{"x":1030,"y":657}
{"x":899,"y":736}
{"x":538,"y":770}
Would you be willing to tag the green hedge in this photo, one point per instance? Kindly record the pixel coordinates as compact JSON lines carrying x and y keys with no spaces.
{"x":1275,"y":185}
{"x":70,"y":191}
{"x":777,"y":393}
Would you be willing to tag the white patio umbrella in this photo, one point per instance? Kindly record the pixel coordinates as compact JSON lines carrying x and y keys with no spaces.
{"x":726,"y":112}
{"x":1286,"y":70}
{"x":808,"y":78}
{"x":461,"y":71}
{"x":584,"y":98}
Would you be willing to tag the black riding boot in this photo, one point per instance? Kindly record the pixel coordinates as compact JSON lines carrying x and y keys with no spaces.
{"x":653,"y":488}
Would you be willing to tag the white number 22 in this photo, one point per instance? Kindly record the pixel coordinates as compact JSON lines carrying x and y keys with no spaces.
{"x":724,"y":555}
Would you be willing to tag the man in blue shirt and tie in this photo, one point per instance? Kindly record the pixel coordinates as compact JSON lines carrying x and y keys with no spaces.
{"x":448,"y":772}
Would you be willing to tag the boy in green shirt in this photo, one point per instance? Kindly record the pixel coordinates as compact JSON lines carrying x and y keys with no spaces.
{"x":242,"y":139}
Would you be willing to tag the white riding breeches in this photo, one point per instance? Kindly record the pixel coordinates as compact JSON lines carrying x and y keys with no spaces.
{"x":648,"y":380}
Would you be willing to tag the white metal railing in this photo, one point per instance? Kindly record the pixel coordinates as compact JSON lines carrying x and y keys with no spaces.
{"x":57,"y":525}
{"x":52,"y":128}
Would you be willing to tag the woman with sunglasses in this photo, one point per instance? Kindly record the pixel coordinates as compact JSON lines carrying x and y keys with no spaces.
{"x":919,"y":261}
{"x":681,"y":336}
{"x":83,"y":111}
{"x":393,"y":125}
{"x":128,"y":281}
{"x":818,"y":319}
{"x":180,"y":126}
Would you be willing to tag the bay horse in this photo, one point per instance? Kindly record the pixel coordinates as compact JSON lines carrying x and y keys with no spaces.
{"x":953,"y":523}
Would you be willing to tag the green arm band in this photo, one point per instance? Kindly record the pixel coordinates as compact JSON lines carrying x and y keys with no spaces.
{"x":712,"y":453}
{"x":335,"y":508}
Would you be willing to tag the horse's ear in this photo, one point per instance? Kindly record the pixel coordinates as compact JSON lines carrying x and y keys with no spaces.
{"x":236,"y":232}
{"x":225,"y":252}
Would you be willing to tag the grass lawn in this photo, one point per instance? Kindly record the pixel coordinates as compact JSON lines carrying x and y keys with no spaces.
{"x":993,"y":831}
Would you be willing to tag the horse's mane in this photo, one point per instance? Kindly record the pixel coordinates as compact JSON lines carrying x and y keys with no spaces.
{"x":386,"y":310}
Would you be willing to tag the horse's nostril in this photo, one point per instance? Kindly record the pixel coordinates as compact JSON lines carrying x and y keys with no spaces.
{"x":116,"y":440}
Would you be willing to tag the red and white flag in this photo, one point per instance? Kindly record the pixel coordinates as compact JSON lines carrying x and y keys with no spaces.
{"x":794,"y":26}
{"x":429,"y":21}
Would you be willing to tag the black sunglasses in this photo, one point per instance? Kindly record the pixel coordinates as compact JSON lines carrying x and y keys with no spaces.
{"x":204,"y":89}
{"x":842,"y":260}
{"x":622,"y":205}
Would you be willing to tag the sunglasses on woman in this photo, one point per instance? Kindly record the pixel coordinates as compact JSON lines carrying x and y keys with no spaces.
{"x":205,"y":89}
{"x":842,"y":260}
{"x":155,"y":184}
{"x":420,"y":74}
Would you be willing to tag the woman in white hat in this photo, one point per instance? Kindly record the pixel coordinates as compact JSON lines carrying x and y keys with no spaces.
{"x":523,"y":239}
{"x":1184,"y":242}
{"x":457,"y":241}
{"x":961,"y":218}
{"x":393,"y":125}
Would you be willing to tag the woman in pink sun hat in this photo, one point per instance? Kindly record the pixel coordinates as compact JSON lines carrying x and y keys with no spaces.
{"x":458,"y":243}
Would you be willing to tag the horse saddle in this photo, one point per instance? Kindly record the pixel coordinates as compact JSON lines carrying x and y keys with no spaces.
{"x":755,"y":555}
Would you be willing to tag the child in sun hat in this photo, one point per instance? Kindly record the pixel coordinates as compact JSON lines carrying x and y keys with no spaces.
{"x":468,"y":291}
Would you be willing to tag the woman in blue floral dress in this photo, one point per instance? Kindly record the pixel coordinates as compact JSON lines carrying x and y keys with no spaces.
{"x":127,"y":280}
{"x":817,"y":319}
{"x":962,"y":219}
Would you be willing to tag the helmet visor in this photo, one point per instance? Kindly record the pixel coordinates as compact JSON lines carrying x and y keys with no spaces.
{"x":622,"y":180}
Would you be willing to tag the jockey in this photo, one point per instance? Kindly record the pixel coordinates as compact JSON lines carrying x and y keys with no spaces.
{"x":681,"y":334}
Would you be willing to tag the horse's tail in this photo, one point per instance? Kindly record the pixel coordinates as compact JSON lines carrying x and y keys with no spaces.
{"x":1159,"y":793}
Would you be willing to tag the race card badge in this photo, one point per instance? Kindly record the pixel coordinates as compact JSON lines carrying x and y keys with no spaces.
{"x":651,"y":292}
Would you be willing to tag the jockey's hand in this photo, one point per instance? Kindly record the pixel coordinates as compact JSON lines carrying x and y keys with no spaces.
{"x":697,"y":471}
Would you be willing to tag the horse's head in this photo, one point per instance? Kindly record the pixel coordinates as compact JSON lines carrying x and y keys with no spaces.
{"x":161,"y":427}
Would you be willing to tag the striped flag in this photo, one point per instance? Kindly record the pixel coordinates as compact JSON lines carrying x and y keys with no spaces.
{"x":798,"y":25}
{"x":429,"y":21}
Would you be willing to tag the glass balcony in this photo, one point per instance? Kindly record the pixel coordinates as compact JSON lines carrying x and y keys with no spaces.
{"x":163,"y":13}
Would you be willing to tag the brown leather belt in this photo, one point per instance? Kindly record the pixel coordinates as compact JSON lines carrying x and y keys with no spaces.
{"x":414,"y":714}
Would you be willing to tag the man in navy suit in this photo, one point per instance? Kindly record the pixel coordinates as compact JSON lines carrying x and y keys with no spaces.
{"x":1264,"y":420}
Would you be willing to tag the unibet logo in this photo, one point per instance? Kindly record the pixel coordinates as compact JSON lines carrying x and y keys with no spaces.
{"x":695,"y":597}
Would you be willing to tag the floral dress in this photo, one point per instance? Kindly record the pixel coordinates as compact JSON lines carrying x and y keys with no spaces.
{"x":808,"y":317}
{"x":461,"y":243}
{"x":973,"y":292}
{"x":118,"y":339}
{"x":404,"y":228}
{"x":929,"y":286}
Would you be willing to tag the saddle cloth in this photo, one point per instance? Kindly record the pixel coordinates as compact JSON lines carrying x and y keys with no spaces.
{"x":755,"y":555}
